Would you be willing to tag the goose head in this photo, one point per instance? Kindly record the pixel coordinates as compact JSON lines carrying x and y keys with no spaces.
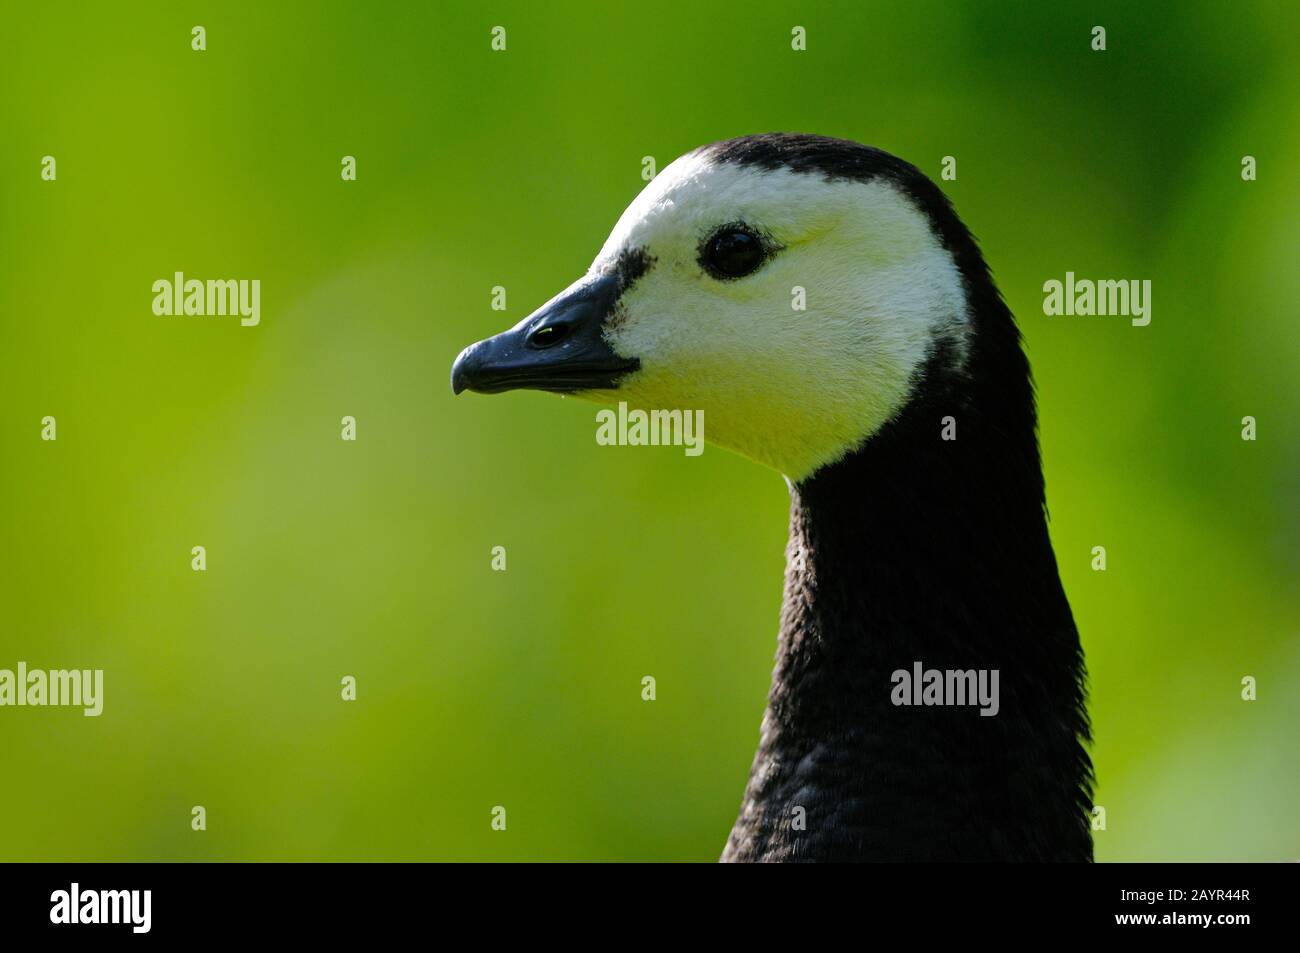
{"x":790,"y":287}
{"x":824,"y":307}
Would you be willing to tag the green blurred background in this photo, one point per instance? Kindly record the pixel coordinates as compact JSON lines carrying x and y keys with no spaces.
{"x":478,"y":688}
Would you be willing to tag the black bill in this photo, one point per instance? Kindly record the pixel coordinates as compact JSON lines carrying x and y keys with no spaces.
{"x":559,"y":347}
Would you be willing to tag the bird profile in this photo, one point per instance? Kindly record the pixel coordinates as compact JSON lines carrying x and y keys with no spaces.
{"x":928,"y":697}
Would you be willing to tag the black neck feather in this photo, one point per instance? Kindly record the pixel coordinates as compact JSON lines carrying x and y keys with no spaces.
{"x":919,"y":549}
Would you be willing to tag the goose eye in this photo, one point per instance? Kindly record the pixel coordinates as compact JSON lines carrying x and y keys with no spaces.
{"x":733,"y":252}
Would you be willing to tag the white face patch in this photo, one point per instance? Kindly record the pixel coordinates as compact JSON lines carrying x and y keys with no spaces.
{"x":794,"y":389}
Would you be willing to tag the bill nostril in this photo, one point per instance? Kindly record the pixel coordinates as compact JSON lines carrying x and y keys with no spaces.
{"x":548,"y":335}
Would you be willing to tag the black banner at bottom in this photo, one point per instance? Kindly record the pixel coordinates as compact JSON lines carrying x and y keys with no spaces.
{"x":136,"y":902}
